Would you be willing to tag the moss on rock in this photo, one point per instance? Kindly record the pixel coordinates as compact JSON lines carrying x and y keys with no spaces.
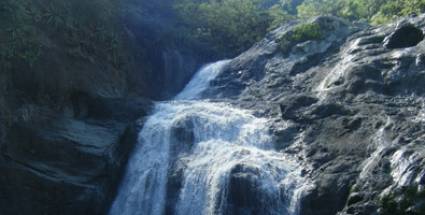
{"x":301,"y":33}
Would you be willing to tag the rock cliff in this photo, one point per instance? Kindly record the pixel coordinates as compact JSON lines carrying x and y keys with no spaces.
{"x":349,"y":105}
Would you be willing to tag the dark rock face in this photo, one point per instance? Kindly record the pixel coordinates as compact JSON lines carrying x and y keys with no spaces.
{"x":73,"y":122}
{"x":406,"y":35}
{"x":64,"y":164}
{"x":164,"y":64}
{"x":183,"y":140}
{"x":246,"y":196}
{"x":355,"y":109}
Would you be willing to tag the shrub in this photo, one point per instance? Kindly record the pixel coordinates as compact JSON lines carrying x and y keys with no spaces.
{"x":278,"y":16}
{"x":310,"y":31}
{"x":374,"y":11}
{"x":228,"y":25}
{"x":301,"y":33}
{"x":18,"y":36}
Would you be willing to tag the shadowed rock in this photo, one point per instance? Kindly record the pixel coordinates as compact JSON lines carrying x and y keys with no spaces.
{"x":406,"y":35}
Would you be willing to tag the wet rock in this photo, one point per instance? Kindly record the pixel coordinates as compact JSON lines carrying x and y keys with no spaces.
{"x":332,"y":189}
{"x":243,"y":187}
{"x":285,"y":137}
{"x":174,"y":185}
{"x":265,"y":70}
{"x":420,"y":60}
{"x":352,"y":103}
{"x":421,"y":178}
{"x":326,"y":110}
{"x":354,"y":198}
{"x":292,"y":104}
{"x":182,"y":132}
{"x":405,"y":35}
{"x":183,"y":140}
{"x":246,"y":195}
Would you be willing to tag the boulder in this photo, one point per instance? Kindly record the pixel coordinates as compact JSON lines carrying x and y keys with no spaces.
{"x":405,"y":35}
{"x":246,"y":194}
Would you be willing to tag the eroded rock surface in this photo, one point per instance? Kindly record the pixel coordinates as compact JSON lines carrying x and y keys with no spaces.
{"x":354,"y":101}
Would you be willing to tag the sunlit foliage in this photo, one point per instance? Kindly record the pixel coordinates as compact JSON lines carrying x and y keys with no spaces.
{"x":234,"y":25}
{"x":301,"y":33}
{"x":374,"y":11}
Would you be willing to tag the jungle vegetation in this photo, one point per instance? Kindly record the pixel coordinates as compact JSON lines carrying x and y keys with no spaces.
{"x":234,"y":25}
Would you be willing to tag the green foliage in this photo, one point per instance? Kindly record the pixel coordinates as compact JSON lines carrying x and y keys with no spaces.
{"x":278,"y":15}
{"x":312,"y":8}
{"x":392,"y":9}
{"x":304,"y":32}
{"x":349,"y":9}
{"x":234,"y":25}
{"x":375,"y":11}
{"x":85,"y":29}
{"x":301,"y":33}
{"x":18,"y":40}
{"x":231,"y":25}
{"x":410,"y":196}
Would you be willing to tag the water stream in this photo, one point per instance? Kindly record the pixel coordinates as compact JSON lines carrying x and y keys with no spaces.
{"x":198,"y":157}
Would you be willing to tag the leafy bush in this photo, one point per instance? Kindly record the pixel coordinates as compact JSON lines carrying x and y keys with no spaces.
{"x":374,"y":11}
{"x":229,"y":25}
{"x":393,"y":9}
{"x":234,"y":25}
{"x":301,"y":33}
{"x":278,"y":15}
{"x":304,"y":32}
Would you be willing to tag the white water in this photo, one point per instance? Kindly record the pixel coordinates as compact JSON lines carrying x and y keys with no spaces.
{"x":224,"y":137}
{"x":405,"y":164}
{"x":420,"y":118}
{"x":404,"y":167}
{"x":380,"y":142}
{"x":201,"y":81}
{"x":337,"y":73}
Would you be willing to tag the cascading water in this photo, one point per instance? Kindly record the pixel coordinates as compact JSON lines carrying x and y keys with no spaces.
{"x":201,"y":81}
{"x":201,"y":157}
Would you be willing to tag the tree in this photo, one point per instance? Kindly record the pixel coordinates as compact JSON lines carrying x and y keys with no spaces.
{"x":230,"y":25}
{"x":375,"y":11}
{"x":392,"y":9}
{"x":278,"y":15}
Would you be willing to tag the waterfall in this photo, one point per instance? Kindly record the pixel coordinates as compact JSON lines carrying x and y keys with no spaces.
{"x":200,"y":157}
{"x":201,"y":80}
